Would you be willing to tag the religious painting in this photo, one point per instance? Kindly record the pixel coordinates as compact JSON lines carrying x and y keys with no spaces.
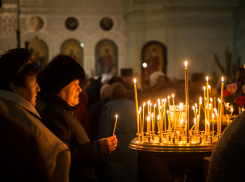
{"x":39,"y":51}
{"x":36,"y":23}
{"x":106,"y":58}
{"x":71,"y":23}
{"x":106,"y":23}
{"x":154,"y":58}
{"x":72,"y":48}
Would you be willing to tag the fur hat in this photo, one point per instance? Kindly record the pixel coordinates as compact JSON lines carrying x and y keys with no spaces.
{"x":59,"y":73}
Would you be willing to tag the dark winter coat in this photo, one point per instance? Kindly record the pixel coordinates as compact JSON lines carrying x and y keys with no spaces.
{"x":57,"y":115}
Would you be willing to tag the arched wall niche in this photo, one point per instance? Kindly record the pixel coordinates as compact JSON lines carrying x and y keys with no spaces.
{"x":72,"y":48}
{"x":154,"y":58}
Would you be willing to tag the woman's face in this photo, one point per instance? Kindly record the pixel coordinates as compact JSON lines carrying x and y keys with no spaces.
{"x":29,"y":92}
{"x":70,"y":93}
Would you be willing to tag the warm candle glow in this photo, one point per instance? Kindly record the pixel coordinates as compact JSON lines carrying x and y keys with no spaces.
{"x":227,"y":105}
{"x":173,"y":96}
{"x":134,"y":81}
{"x":157,"y":117}
{"x":208,"y":123}
{"x":209,"y":87}
{"x":222,"y":79}
{"x":158,"y":100}
{"x":148,"y":118}
{"x":232,"y":109}
{"x":167,"y":112}
{"x":193,"y":108}
{"x":148,"y":102}
{"x":200,"y":100}
{"x":139,"y":110}
{"x":211,"y":99}
{"x":162,"y":100}
{"x":155,"y":105}
{"x":204,"y":88}
{"x":194,"y":121}
{"x":116,"y":116}
{"x":213,"y":115}
{"x":144,"y":104}
{"x":207,"y":79}
{"x":181,"y":121}
{"x":186,"y":64}
{"x":152,"y":115}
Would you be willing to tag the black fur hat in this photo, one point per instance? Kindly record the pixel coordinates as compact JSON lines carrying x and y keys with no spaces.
{"x":60,"y":72}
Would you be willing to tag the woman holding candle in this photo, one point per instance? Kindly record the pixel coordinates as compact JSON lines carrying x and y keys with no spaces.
{"x":59,"y":83}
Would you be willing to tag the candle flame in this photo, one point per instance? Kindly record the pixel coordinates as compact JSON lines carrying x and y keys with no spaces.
{"x":211,"y":99}
{"x":144,"y":104}
{"x":148,"y":118}
{"x":208,"y":123}
{"x":139,"y":110}
{"x":204,"y":88}
{"x":218,"y":100}
{"x":148,"y":102}
{"x":207,"y":79}
{"x":196,"y":105}
{"x":155,"y":105}
{"x":193,"y":107}
{"x":194,"y":121}
{"x":158,"y":117}
{"x":213,"y":115}
{"x":158,"y":100}
{"x":168,"y":97}
{"x":173,"y":96}
{"x":181,"y":121}
{"x":200,"y":100}
{"x":198,"y":116}
{"x":162,"y":100}
{"x":222,"y":79}
{"x":209,"y":87}
{"x":232,"y":109}
{"x":167,"y":112}
{"x":116,"y":115}
{"x":186,"y":64}
{"x":227,"y":105}
{"x":134,"y":81}
{"x":152,"y":115}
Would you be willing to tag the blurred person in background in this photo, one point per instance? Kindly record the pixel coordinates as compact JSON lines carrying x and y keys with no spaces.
{"x":121,"y":165}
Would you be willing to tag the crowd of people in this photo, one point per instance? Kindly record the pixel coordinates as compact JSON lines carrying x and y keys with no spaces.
{"x":57,"y":125}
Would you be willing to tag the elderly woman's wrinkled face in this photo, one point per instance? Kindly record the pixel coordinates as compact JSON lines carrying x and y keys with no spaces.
{"x":29,"y":91}
{"x":70,"y":93}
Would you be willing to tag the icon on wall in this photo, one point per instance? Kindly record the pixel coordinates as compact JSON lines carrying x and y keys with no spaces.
{"x":153,"y":59}
{"x":71,"y":23}
{"x":72,"y":48}
{"x":106,"y":23}
{"x":106,"y":57}
{"x":39,"y":51}
{"x":36,"y":23}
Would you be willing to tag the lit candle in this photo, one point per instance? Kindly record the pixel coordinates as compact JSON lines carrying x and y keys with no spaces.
{"x":208,"y":127}
{"x":115,"y":126}
{"x":213,"y":121}
{"x":221,"y":100}
{"x":150,"y":107}
{"x":169,"y":123}
{"x":136,"y":104}
{"x":215,"y":103}
{"x":152,"y":121}
{"x":187,"y":100}
{"x":181,"y":122}
{"x":205,"y":114}
{"x":173,"y":98}
{"x":139,"y":113}
{"x":199,"y":113}
{"x":165,"y":116}
{"x":158,"y":122}
{"x":143,"y":118}
{"x":148,"y":126}
{"x":212,"y":106}
{"x":207,"y":99}
{"x":195,"y":125}
{"x":218,"y":123}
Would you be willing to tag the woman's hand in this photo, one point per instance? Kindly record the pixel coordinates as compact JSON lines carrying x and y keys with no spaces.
{"x":108,"y":144}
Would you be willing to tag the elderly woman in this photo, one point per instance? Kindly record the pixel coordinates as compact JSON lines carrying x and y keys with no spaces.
{"x":60,"y":89}
{"x":18,"y":91}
